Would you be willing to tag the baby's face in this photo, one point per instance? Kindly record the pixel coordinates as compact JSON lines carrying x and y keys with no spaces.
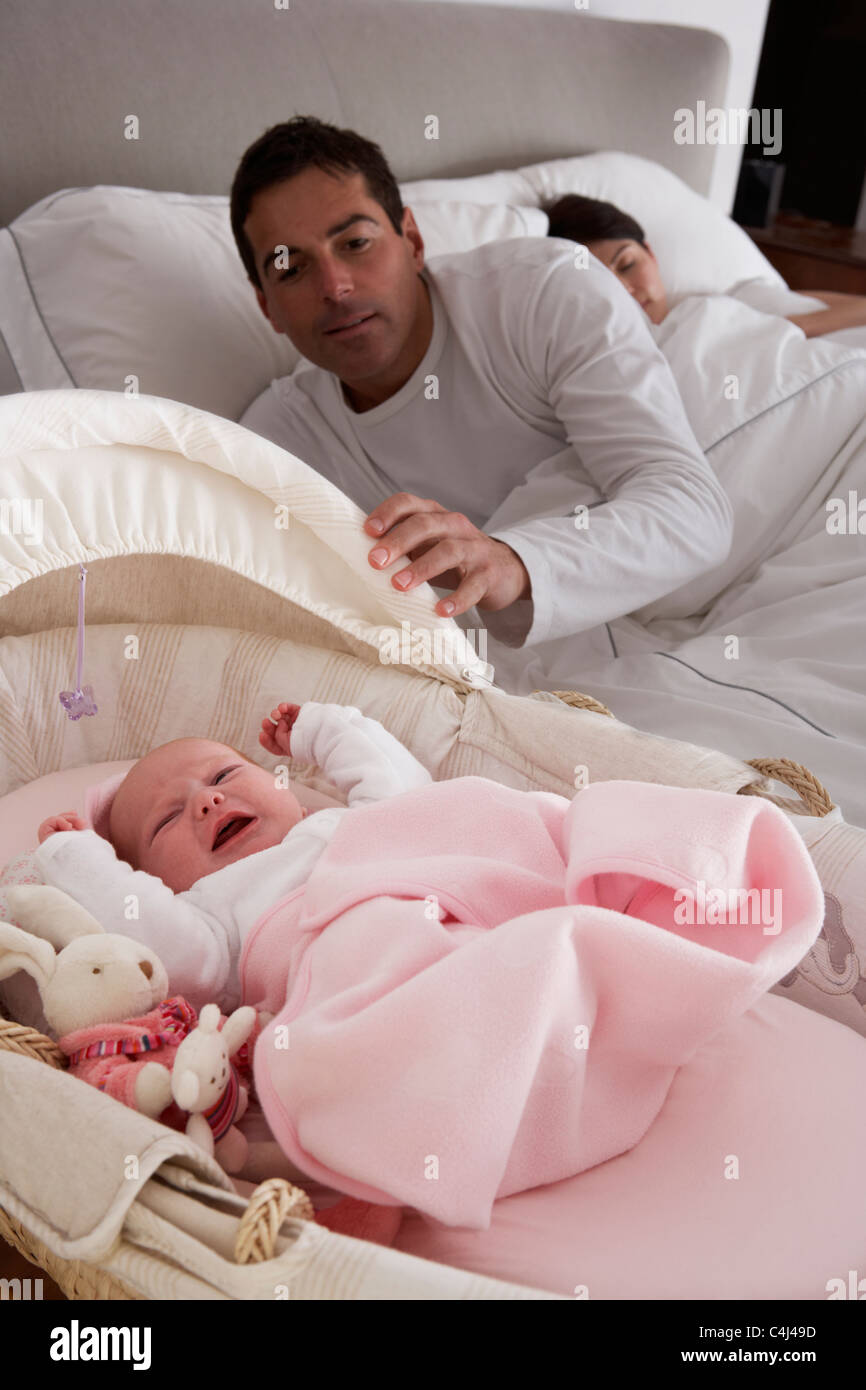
{"x":191,"y":807}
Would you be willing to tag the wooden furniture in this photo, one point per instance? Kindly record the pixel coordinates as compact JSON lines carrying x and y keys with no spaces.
{"x":813,"y":255}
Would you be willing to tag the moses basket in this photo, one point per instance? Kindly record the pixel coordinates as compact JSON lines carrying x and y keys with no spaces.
{"x":223,"y":575}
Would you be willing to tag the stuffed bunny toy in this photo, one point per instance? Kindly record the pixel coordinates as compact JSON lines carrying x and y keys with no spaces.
{"x":104,"y":997}
{"x":205,"y":1082}
{"x":98,"y":978}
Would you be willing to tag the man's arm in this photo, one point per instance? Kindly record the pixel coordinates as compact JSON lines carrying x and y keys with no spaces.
{"x":568,"y":549}
{"x":661,"y":518}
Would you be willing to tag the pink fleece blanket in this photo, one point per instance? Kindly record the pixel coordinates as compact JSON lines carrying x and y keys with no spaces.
{"x":481,"y":990}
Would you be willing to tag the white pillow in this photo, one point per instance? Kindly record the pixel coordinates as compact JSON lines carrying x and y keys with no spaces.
{"x":130,"y":283}
{"x":504,"y":186}
{"x":101,"y":284}
{"x":449,"y":226}
{"x":699,"y":249}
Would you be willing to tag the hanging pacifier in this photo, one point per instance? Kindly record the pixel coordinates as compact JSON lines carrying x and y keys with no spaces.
{"x":80,"y":700}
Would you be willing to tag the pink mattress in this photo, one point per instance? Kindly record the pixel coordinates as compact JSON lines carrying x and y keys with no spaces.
{"x":778,"y":1100}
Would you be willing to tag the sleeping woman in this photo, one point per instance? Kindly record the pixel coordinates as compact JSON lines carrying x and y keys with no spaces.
{"x":618,"y":241}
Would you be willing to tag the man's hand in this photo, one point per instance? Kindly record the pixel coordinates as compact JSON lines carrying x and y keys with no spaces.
{"x":67,"y":820}
{"x":446,"y":547}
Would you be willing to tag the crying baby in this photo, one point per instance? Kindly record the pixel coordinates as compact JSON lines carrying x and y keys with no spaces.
{"x":191,"y":806}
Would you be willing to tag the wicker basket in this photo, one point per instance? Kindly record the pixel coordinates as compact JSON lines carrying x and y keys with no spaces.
{"x":276,"y":1199}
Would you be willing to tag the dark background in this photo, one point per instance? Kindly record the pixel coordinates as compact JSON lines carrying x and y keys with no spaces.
{"x":813,"y":67}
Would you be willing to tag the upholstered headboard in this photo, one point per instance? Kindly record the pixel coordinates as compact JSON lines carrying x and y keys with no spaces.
{"x":205,"y":77}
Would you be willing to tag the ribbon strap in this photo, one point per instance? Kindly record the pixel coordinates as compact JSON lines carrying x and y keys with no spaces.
{"x":80,"y":700}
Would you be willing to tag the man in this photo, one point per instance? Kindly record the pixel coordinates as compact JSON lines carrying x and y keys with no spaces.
{"x":503,"y":415}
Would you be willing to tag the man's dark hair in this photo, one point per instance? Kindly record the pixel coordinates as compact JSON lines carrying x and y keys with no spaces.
{"x":588,"y":219}
{"x":295,"y":145}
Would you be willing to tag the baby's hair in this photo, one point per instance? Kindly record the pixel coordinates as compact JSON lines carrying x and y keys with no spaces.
{"x":589,"y":219}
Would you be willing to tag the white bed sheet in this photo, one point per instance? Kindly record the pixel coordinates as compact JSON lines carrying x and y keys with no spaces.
{"x":783,"y":421}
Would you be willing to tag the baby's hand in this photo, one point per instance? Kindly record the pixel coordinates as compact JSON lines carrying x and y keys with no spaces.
{"x":67,"y":820}
{"x":276,"y":734}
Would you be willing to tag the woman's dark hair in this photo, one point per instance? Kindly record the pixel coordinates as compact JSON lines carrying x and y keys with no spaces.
{"x":295,"y":145}
{"x":588,"y":219}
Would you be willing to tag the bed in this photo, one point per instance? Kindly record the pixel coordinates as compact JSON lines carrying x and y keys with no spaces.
{"x":118,"y":417}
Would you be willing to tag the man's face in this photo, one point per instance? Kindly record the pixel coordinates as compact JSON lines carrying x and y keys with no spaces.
{"x":345,"y":263}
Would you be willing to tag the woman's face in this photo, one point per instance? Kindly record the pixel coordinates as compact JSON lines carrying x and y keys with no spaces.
{"x":637,"y":268}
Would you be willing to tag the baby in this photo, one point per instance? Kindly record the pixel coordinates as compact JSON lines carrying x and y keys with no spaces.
{"x":472,"y":990}
{"x":200,"y":840}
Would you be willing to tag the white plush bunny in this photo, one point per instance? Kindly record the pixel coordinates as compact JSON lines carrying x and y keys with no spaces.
{"x":104,"y":996}
{"x":95,"y":978}
{"x":205,"y":1082}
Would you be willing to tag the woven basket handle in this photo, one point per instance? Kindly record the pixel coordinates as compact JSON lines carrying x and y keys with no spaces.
{"x":29,"y":1042}
{"x":578,"y":701}
{"x":814,"y":798}
{"x":269,"y":1205}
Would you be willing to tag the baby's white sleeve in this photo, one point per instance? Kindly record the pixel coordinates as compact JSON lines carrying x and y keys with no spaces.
{"x":196,"y":948}
{"x":356,"y":753}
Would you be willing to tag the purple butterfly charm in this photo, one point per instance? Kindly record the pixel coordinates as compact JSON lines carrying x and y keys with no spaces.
{"x":78,"y":702}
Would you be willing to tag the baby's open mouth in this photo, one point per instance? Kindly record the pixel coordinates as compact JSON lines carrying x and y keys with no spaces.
{"x":229,"y":829}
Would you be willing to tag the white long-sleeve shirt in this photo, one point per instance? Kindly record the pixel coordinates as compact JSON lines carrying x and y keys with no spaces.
{"x":541,"y":391}
{"x":199,"y":934}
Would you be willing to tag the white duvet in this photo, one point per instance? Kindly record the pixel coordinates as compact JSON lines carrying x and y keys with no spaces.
{"x":764,"y":656}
